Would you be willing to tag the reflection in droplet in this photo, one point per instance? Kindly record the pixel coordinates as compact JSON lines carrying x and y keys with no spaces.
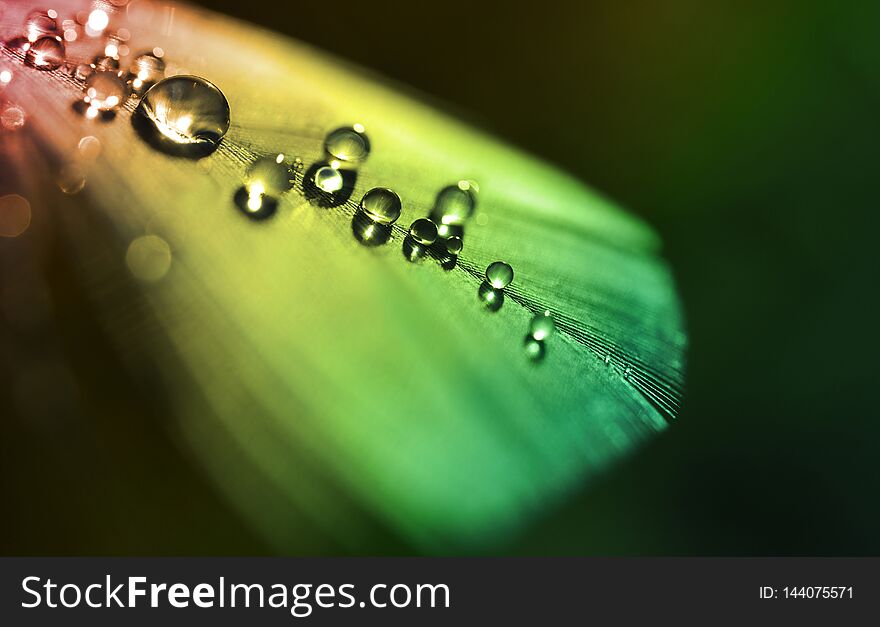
{"x":491,"y":298}
{"x":89,"y":147}
{"x":369,"y":232}
{"x":82,"y":71}
{"x":71,"y":178}
{"x":39,"y":24}
{"x":534,"y":348}
{"x":148,"y":258}
{"x":423,"y":231}
{"x":326,"y":186}
{"x":454,"y":204}
{"x":46,"y":53}
{"x":183,"y":115}
{"x":454,"y":245}
{"x":104,"y":91}
{"x":146,"y":70}
{"x":348,"y":146}
{"x":381,"y":205}
{"x":499,"y":274}
{"x":15,"y":215}
{"x":445,"y":231}
{"x":542,"y":326}
{"x":12,"y":117}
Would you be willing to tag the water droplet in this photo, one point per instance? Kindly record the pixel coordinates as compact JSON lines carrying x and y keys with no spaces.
{"x":454,"y":245}
{"x":82,"y":71}
{"x":183,"y":115}
{"x":15,"y":215}
{"x":5,"y":78}
{"x":535,"y":349}
{"x":39,"y":24}
{"x":412,"y":250}
{"x":102,"y":63}
{"x":12,"y":117}
{"x":146,"y":70}
{"x":348,"y":146}
{"x":328,"y":179}
{"x":491,"y":298}
{"x":369,"y":232}
{"x":254,"y":203}
{"x":423,"y":231}
{"x":89,"y":147}
{"x":266,"y":178}
{"x":542,"y":326}
{"x":381,"y":205}
{"x":71,"y":179}
{"x":46,"y":53}
{"x":454,"y":204}
{"x":148,"y":258}
{"x":104,"y":91}
{"x":499,"y":274}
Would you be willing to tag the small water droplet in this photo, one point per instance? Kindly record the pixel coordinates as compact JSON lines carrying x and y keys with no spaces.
{"x":39,"y":24}
{"x":266,"y":178}
{"x":46,"y":53}
{"x":454,"y":245}
{"x":104,"y":91}
{"x":103,"y":63}
{"x":146,"y":70}
{"x":423,"y":232}
{"x":82,"y":71}
{"x":491,"y":298}
{"x":12,"y":117}
{"x":369,"y":232}
{"x":183,"y":116}
{"x":412,"y":250}
{"x":535,"y":349}
{"x":148,"y":258}
{"x":348,"y":146}
{"x":328,"y":179}
{"x":381,"y":205}
{"x":542,"y":326}
{"x":326,"y":186}
{"x":499,"y":274}
{"x":454,"y":204}
{"x":89,"y":147}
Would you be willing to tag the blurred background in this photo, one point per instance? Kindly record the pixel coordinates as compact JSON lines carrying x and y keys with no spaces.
{"x":746,"y":134}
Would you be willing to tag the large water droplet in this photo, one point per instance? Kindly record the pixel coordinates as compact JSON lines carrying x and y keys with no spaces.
{"x":46,"y":53}
{"x":454,"y":204}
{"x":499,"y":274}
{"x":381,"y":205}
{"x":542,"y":326}
{"x":104,"y":91}
{"x":145,"y":71}
{"x":348,"y":146}
{"x":491,"y":298}
{"x":39,"y":24}
{"x":423,"y":231}
{"x":183,"y":115}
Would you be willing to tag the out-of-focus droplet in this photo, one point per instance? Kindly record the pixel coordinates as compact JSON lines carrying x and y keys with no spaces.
{"x":71,"y":179}
{"x":348,"y":146}
{"x":491,"y":298}
{"x":146,"y":70}
{"x":381,"y":205}
{"x":183,"y":115}
{"x":454,"y":204}
{"x":454,"y":245}
{"x":148,"y":258}
{"x":423,"y":231}
{"x":46,"y":53}
{"x":5,"y":78}
{"x":12,"y":117}
{"x":542,"y":326}
{"x":39,"y":24}
{"x":104,"y":91}
{"x":98,"y":20}
{"x":82,"y":71}
{"x":269,"y":174}
{"x":89,"y":147}
{"x":328,"y":179}
{"x":15,"y":215}
{"x":499,"y":274}
{"x":70,"y":34}
{"x":103,"y":63}
{"x":534,"y":348}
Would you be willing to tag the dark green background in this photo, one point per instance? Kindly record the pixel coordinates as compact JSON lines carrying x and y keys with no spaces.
{"x":746,"y":133}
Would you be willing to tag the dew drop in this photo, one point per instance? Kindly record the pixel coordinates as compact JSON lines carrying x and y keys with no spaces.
{"x":454,"y":245}
{"x":348,"y":146}
{"x":454,"y":204}
{"x":412,"y":250}
{"x":423,"y":231}
{"x":104,"y":91}
{"x":82,"y":71}
{"x":542,"y":326}
{"x":534,"y":348}
{"x":381,"y":205}
{"x":46,"y":53}
{"x":146,"y":70}
{"x":183,"y":115}
{"x":491,"y":298}
{"x":328,"y":179}
{"x":499,"y":274}
{"x":269,"y":174}
{"x":39,"y":24}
